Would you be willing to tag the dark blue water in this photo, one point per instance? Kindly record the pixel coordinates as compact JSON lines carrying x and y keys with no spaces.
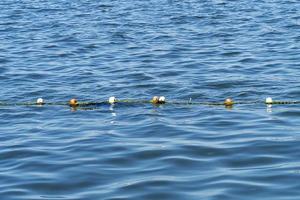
{"x":205,"y":50}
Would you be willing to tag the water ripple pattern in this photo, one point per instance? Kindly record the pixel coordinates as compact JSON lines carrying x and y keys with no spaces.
{"x":204,"y":50}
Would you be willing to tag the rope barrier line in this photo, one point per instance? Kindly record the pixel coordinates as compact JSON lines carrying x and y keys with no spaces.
{"x":155,"y":100}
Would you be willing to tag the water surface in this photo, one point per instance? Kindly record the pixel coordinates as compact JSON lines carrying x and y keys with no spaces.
{"x":204,"y":50}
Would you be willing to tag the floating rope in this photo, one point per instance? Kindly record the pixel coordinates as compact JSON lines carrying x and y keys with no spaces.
{"x":156,"y":100}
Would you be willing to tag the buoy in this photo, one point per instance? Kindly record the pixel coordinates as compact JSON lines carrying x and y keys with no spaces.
{"x":269,"y":100}
{"x":112,"y":100}
{"x":40,"y":101}
{"x":155,"y":100}
{"x":73,"y":102}
{"x":162,"y":99}
{"x":228,"y":102}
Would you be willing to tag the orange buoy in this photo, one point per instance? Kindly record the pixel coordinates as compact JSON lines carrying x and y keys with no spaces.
{"x":73,"y":102}
{"x":228,"y":102}
{"x":155,"y":100}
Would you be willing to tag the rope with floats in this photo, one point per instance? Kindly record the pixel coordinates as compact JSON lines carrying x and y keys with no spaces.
{"x":156,"y":100}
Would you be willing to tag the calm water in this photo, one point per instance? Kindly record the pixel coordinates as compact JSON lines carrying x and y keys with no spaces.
{"x":205,"y":50}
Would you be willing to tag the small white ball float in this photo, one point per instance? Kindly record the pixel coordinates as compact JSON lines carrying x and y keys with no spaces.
{"x":112,"y":100}
{"x":162,"y":99}
{"x":40,"y":101}
{"x":269,"y":100}
{"x":155,"y":100}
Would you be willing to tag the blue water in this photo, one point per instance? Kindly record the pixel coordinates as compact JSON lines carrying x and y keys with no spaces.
{"x":205,"y":50}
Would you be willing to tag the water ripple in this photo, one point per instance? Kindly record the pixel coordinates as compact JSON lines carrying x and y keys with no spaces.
{"x":184,"y":50}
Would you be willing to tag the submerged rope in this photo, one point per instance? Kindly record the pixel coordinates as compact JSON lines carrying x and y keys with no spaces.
{"x":155,"y":100}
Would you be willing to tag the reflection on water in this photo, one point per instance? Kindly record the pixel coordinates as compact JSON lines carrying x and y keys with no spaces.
{"x":269,"y":108}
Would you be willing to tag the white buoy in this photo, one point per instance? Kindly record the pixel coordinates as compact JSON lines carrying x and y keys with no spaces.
{"x":269,"y":100}
{"x":155,"y":100}
{"x":112,"y":100}
{"x":162,"y":99}
{"x":40,"y":101}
